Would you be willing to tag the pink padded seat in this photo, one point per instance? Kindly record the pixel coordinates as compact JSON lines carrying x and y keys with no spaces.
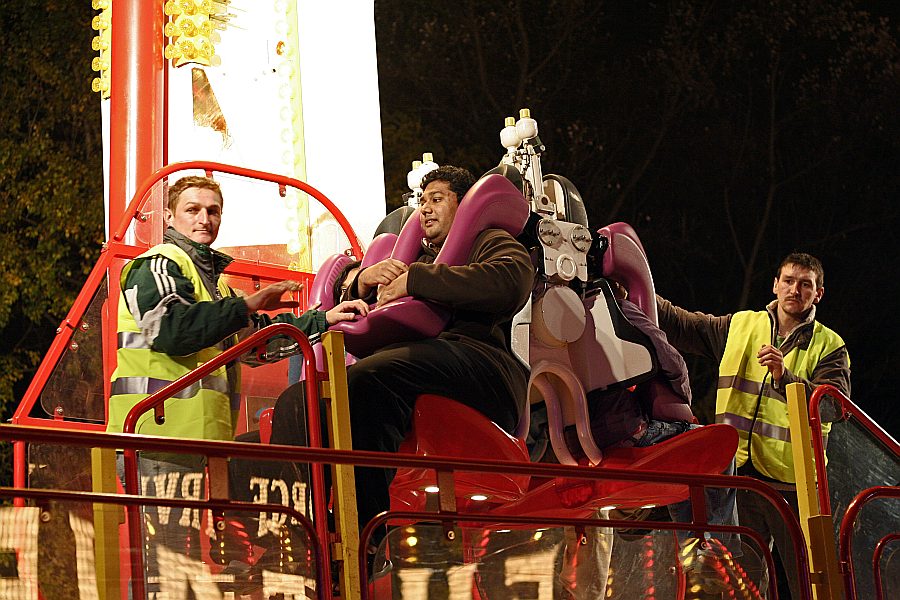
{"x":493,"y":202}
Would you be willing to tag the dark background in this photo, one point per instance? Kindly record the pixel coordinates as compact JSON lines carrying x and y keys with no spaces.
{"x":728,"y":134}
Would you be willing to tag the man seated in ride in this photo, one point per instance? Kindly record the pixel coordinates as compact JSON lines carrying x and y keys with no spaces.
{"x":470,"y":361}
{"x":175,"y":313}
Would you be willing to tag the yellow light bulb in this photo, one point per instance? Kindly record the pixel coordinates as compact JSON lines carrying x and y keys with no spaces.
{"x":206,"y":50}
{"x":172,"y":8}
{"x":171,"y":30}
{"x":188,"y":50}
{"x":188,"y":7}
{"x":187,"y":27}
{"x":172,"y":52}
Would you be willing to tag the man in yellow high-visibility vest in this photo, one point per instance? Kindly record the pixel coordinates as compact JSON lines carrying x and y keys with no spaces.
{"x":176,"y":313}
{"x":759,"y":354}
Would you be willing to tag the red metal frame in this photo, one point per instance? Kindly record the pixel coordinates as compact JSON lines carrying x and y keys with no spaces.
{"x":133,"y":210}
{"x":447,"y":518}
{"x":133,"y":503}
{"x":137,"y":99}
{"x":156,"y":401}
{"x":845,"y":548}
{"x":848,"y":409}
{"x":388,"y":460}
{"x":695,"y":482}
{"x":876,"y":562}
{"x":114,"y":248}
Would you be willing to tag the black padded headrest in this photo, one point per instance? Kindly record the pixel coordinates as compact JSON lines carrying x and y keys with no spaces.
{"x":394,"y":221}
{"x":572,"y":204}
{"x":508,"y":171}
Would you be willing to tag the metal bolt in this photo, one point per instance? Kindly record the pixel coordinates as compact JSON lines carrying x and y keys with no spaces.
{"x":451,"y":535}
{"x":73,"y":346}
{"x":85,"y":326}
{"x":45,"y":516}
{"x":220,"y":525}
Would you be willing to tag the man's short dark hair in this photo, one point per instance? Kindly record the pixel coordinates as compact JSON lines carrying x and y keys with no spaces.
{"x":805,"y":261}
{"x":459,"y":179}
{"x":192,"y":181}
{"x":338,"y":290}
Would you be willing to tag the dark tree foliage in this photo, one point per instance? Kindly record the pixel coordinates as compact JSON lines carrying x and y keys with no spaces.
{"x":51,"y":180}
{"x":728,"y":134}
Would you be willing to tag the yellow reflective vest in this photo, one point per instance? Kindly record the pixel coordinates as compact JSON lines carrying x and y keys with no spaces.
{"x":201,"y":410}
{"x":748,"y":400}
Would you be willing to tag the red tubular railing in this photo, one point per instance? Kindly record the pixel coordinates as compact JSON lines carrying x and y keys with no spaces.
{"x":506,"y":520}
{"x":876,"y":562}
{"x":540,"y":470}
{"x":133,"y":210}
{"x":394,"y":461}
{"x":848,"y":409}
{"x":95,"y":278}
{"x":156,"y":402}
{"x":845,"y":548}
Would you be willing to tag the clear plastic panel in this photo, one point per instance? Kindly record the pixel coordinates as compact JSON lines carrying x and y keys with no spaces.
{"x":420,"y":561}
{"x":75,"y":387}
{"x":58,"y":546}
{"x":59,"y":551}
{"x":890,"y":571}
{"x":856,"y":461}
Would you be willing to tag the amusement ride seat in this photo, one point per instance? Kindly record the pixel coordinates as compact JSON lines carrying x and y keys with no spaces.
{"x":570,"y":356}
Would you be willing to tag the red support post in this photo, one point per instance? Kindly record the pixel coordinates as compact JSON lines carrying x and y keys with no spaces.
{"x":137,"y":99}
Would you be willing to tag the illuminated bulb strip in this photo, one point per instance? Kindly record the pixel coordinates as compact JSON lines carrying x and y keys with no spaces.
{"x":102,"y":24}
{"x":192,"y":31}
{"x":289,"y":106}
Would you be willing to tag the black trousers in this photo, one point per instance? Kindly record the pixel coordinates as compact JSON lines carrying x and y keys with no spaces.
{"x":383,"y":389}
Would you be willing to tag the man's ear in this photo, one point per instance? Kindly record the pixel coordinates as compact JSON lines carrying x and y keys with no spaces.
{"x":819,"y":293}
{"x":775,"y":286}
{"x":168,"y":216}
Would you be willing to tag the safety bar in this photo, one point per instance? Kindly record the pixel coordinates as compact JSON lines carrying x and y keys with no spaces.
{"x":156,"y":402}
{"x":217,"y":505}
{"x":133,"y":210}
{"x":846,"y":534}
{"x":848,"y":409}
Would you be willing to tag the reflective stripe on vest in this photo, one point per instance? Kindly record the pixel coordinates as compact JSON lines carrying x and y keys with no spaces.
{"x":151,"y":385}
{"x":202,"y":409}
{"x":744,"y":402}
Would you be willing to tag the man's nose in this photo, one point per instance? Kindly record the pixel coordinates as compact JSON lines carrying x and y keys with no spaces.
{"x":203,"y":216}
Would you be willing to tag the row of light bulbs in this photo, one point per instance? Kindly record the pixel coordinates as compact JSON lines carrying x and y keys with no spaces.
{"x":100,"y":64}
{"x":192,"y":31}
